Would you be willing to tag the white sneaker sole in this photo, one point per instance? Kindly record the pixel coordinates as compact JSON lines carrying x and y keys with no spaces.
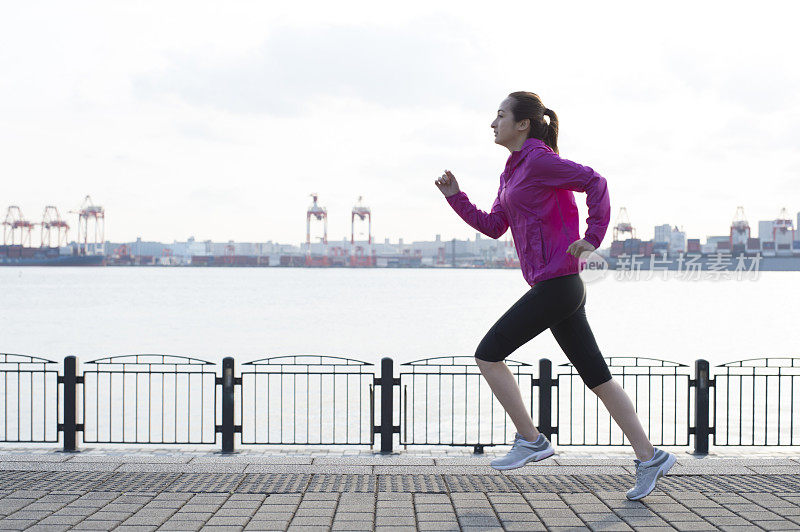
{"x":662,"y":470}
{"x":541,"y":455}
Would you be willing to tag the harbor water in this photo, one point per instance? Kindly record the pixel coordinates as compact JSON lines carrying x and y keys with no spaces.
{"x":367,"y":314}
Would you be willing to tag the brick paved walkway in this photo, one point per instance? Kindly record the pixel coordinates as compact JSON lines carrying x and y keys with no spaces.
{"x":104,"y":490}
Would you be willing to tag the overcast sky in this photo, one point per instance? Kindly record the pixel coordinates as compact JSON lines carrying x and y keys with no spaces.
{"x":217,"y":120}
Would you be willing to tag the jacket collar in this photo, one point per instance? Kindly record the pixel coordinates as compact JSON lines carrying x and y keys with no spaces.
{"x":518,"y":156}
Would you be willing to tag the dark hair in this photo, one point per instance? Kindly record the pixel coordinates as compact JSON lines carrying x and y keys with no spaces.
{"x":529,"y":105}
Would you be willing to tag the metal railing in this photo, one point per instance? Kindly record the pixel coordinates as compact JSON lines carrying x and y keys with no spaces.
{"x":755,"y":402}
{"x":147,"y":398}
{"x":307,"y":399}
{"x":331,"y":400}
{"x":29,"y":397}
{"x":446,"y":401}
{"x":660,"y":393}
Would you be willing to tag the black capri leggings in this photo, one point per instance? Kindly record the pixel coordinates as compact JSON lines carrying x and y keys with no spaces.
{"x":558,"y":304}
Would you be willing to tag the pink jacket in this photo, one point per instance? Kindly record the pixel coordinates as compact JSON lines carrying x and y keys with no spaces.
{"x":535,"y":199}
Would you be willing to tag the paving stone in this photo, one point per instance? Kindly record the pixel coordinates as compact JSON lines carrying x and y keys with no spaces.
{"x":363,"y":517}
{"x":321,"y":496}
{"x":719,"y":511}
{"x":315,"y":512}
{"x":48,"y":528}
{"x":432,"y":498}
{"x":638,"y":521}
{"x":358,"y":508}
{"x":62,"y":520}
{"x":191,"y":516}
{"x":272,"y":516}
{"x":551,"y":522}
{"x":149,"y":519}
{"x":29,"y":514}
{"x":278,"y":507}
{"x":394,"y":512}
{"x":676,"y":517}
{"x":589,"y":508}
{"x":524,"y":527}
{"x":762,"y":515}
{"x":267,"y":525}
{"x":182,"y":525}
{"x":727,"y":520}
{"x":96,"y":525}
{"x":436,"y":516}
{"x":777,"y":525}
{"x":662,"y":507}
{"x":566,"y":522}
{"x":394,"y":520}
{"x":515,"y":508}
{"x":128,"y":498}
{"x":352,"y":525}
{"x":555,"y":512}
{"x":438,"y":507}
{"x":44,"y":506}
{"x":76,"y":510}
{"x":693,"y":525}
{"x":235,"y":512}
{"x":227,"y":521}
{"x":16,"y":524}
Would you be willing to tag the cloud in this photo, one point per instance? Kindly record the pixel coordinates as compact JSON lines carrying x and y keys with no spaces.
{"x":414,"y":66}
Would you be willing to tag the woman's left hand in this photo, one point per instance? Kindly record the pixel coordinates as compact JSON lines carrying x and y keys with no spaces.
{"x":579,"y":246}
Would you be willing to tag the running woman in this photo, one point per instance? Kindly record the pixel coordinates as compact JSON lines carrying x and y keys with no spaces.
{"x":535,"y":199}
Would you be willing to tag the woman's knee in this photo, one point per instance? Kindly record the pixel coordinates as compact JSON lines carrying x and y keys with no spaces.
{"x":489,"y":349}
{"x":602,"y":387}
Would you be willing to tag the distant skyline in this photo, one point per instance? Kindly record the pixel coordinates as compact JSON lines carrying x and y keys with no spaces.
{"x":217,"y":120}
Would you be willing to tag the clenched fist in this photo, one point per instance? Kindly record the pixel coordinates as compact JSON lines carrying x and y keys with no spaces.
{"x":447,"y":184}
{"x":579,"y":247}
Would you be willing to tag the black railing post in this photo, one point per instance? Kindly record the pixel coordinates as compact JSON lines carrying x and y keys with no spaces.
{"x":546,"y":398}
{"x":387,"y":406}
{"x":70,"y":426}
{"x":702,"y":428}
{"x":228,"y":383}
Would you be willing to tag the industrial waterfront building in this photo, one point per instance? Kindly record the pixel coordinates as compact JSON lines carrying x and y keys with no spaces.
{"x":776,"y":239}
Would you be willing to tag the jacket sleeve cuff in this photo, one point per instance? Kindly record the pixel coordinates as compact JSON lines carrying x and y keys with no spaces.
{"x":455,"y":197}
{"x":593,"y":240}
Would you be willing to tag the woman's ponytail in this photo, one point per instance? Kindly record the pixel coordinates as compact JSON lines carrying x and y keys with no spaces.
{"x":529,"y":105}
{"x":550,"y":136}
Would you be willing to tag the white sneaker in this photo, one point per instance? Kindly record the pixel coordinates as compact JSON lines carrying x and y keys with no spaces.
{"x":524,"y":451}
{"x":648,"y":473}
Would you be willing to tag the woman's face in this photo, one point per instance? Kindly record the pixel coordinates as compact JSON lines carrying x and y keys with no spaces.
{"x":507,"y":132}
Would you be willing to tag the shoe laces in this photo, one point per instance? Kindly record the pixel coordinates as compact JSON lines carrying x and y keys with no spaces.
{"x":640,"y":468}
{"x":519,"y":440}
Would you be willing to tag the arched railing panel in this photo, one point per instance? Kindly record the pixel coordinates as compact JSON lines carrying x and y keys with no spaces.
{"x":149,"y":398}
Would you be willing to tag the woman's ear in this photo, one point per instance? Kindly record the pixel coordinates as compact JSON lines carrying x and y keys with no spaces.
{"x":523,"y":124}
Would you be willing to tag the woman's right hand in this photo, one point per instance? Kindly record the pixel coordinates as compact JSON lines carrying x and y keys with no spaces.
{"x":447,"y":184}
